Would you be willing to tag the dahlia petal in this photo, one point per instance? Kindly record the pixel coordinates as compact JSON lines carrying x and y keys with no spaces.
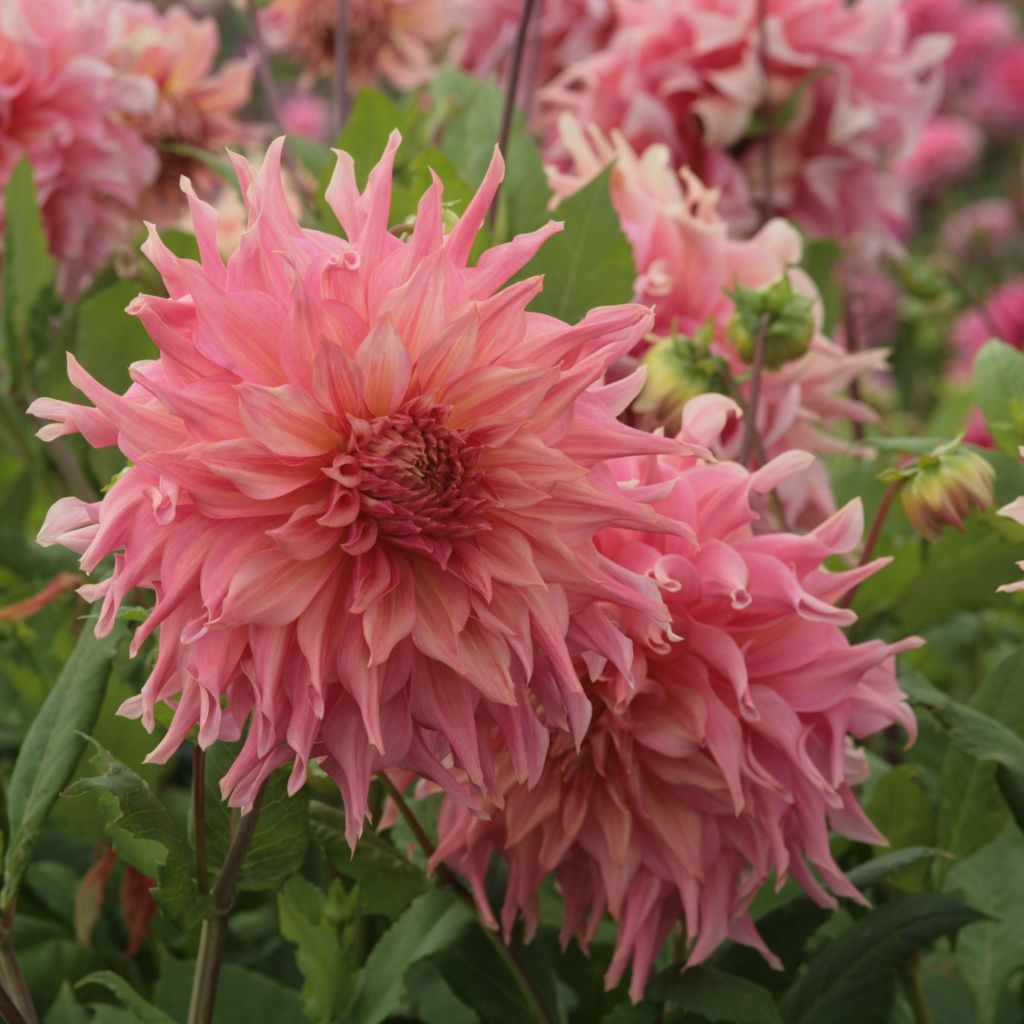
{"x":286,"y":420}
{"x":273,"y":589}
{"x":385,"y":367}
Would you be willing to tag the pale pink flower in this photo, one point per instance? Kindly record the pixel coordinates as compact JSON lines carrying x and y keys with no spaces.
{"x":999,"y":99}
{"x":687,"y":261}
{"x":948,"y":149}
{"x":64,"y":109}
{"x":398,"y":41}
{"x":984,"y":226}
{"x":197,"y":103}
{"x":689,"y":76}
{"x":1014,"y":511}
{"x":364,"y":485}
{"x":729,"y":759}
{"x":306,"y":114}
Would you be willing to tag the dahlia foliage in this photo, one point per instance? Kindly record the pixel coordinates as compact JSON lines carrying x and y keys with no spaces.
{"x":494,"y":543}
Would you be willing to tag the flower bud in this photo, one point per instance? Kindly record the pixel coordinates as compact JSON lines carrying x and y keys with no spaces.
{"x":790,"y":323}
{"x":678,"y":368}
{"x":942,"y":487}
{"x":922,"y":281}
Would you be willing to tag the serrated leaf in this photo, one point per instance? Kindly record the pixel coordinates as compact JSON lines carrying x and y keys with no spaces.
{"x":52,"y":749}
{"x":387,"y":881}
{"x":145,"y":836}
{"x":853,"y":979}
{"x":145,"y":1012}
{"x":589,"y":263}
{"x":322,"y":928}
{"x":990,"y":952}
{"x":999,"y":387}
{"x":281,"y":838}
{"x":432,"y":923}
{"x":716,"y":996}
{"x":980,"y":736}
{"x":29,"y":270}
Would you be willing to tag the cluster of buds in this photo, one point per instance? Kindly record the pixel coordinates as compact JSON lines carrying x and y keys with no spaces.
{"x":679,"y":367}
{"x":940,"y":489}
{"x":786,"y":317}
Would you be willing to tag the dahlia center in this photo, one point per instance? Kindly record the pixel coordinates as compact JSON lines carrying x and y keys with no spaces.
{"x":415,"y":480}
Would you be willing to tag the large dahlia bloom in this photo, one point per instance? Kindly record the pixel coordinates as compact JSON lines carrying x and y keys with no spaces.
{"x":687,"y":262}
{"x":363,"y":488}
{"x":197,"y":105}
{"x":729,"y":758}
{"x":689,"y":76}
{"x":396,"y":40}
{"x":66,"y":110}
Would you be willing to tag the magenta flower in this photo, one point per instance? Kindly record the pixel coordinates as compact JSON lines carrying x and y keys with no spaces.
{"x":66,"y":110}
{"x":948,"y":149}
{"x":364,"y":485}
{"x":729,"y":758}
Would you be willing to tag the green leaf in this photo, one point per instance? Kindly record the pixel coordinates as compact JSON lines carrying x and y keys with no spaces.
{"x":145,"y":836}
{"x":902,"y":812}
{"x":109,"y":340}
{"x":432,"y":923}
{"x":52,"y":749}
{"x":821,"y":259}
{"x":144,"y":1012}
{"x":999,"y":386}
{"x":388,"y":882}
{"x":243,"y":996}
{"x":29,"y":271}
{"x":588,"y":264}
{"x":472,"y":134}
{"x":281,"y":838}
{"x":65,"y":1009}
{"x":980,"y":736}
{"x":853,"y":979}
{"x":717,"y":996}
{"x":323,"y":931}
{"x":990,"y":952}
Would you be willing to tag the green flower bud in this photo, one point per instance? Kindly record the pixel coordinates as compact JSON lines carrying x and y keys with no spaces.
{"x":942,"y":487}
{"x":922,"y":281}
{"x":678,"y":368}
{"x":790,"y":323}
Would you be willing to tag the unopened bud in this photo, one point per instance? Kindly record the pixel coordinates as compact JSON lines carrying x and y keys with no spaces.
{"x":922,"y":281}
{"x":944,"y":486}
{"x":790,"y":323}
{"x":678,"y":368}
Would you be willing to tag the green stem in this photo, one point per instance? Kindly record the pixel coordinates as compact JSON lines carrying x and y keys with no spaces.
{"x":910,"y":976}
{"x":215,"y":929}
{"x":199,"y":816}
{"x":756,"y":375}
{"x":511,"y":958}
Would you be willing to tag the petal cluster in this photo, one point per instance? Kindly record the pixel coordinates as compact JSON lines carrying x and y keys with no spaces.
{"x":364,"y":484}
{"x":855,"y":90}
{"x":729,"y":756}
{"x":196,"y":105}
{"x":66,"y":110}
{"x":687,"y":261}
{"x":394,"y":40}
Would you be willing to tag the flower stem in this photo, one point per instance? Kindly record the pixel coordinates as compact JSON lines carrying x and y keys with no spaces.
{"x":512,"y":961}
{"x":910,"y":976}
{"x":767,"y":151}
{"x":874,"y":533}
{"x":270,"y":92}
{"x":215,"y":929}
{"x":750,"y":425}
{"x":9,"y":1010}
{"x":852,"y":345}
{"x":511,"y":88}
{"x":340,"y":82}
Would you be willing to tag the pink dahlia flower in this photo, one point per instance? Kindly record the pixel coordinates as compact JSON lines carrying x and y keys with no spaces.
{"x":396,"y":40}
{"x":364,"y":485}
{"x":1002,"y":318}
{"x":689,"y":76}
{"x":949,"y":149}
{"x":687,"y":261}
{"x":1014,"y":511}
{"x":66,"y":110}
{"x":999,"y":99}
{"x":732,"y":754}
{"x":197,"y":105}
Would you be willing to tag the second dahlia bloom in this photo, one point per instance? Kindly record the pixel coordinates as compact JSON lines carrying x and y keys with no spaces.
{"x":949,"y":149}
{"x":689,"y":75}
{"x":197,"y":104}
{"x":1014,"y":511}
{"x":396,"y":40}
{"x":731,"y":756}
{"x":65,"y":110}
{"x":687,"y":262}
{"x":364,"y":485}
